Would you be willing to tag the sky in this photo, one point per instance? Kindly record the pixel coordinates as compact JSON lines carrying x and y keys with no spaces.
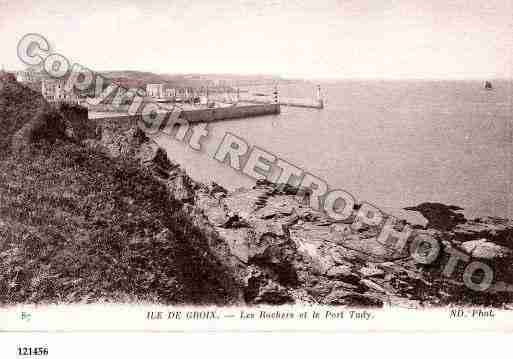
{"x":363,"y":39}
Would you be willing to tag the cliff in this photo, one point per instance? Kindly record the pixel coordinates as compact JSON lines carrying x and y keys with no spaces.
{"x":77,"y":225}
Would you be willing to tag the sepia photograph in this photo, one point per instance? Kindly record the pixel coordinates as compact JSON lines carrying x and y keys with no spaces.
{"x":256,"y":165}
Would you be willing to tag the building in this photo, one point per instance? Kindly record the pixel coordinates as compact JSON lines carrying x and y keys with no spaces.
{"x":55,"y":91}
{"x":27,"y":76}
{"x":170,"y":92}
{"x":155,"y":90}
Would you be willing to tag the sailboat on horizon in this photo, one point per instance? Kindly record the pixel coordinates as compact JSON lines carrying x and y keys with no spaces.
{"x":488,"y":85}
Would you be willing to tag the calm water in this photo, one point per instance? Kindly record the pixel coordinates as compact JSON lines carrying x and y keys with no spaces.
{"x":391,"y":143}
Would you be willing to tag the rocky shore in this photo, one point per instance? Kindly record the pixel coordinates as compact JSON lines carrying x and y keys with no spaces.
{"x":287,"y":253}
{"x":266,"y":247}
{"x":281,"y":251}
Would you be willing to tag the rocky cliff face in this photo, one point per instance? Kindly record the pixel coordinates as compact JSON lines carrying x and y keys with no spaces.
{"x":280,"y":251}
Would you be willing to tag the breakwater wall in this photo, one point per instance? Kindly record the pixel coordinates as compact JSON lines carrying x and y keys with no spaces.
{"x":204,"y":115}
{"x":228,"y":113}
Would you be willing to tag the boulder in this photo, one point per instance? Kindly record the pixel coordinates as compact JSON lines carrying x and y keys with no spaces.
{"x":261,"y":289}
{"x":348,"y":298}
{"x":340,"y":231}
{"x":440,"y":216}
{"x":274,"y":294}
{"x":237,"y":240}
{"x":339,"y":271}
{"x":371,"y":270}
{"x":483,"y":249}
{"x":496,"y":229}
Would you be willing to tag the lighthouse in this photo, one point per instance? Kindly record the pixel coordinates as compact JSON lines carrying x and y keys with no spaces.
{"x":276,"y":96}
{"x":319,"y":99}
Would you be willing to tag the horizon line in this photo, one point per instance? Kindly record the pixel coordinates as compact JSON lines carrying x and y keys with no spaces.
{"x":308,"y":78}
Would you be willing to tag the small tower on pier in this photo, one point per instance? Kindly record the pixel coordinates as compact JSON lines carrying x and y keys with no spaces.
{"x":319,"y":99}
{"x":276,"y":95}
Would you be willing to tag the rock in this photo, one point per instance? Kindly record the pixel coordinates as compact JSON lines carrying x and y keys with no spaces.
{"x":260,"y":289}
{"x":234,"y":221}
{"x":302,"y":296}
{"x":342,"y":255}
{"x":320,"y":290}
{"x":348,"y":298}
{"x":180,"y":185}
{"x":278,"y":261}
{"x":344,"y":274}
{"x":274,"y":294}
{"x":340,"y":232}
{"x":244,"y":202}
{"x":259,"y":243}
{"x":339,"y":271}
{"x":119,"y":142}
{"x":371,"y":249}
{"x":78,"y":125}
{"x":147,"y":154}
{"x":440,"y":216}
{"x":390,"y":267}
{"x":182,"y":188}
{"x":371,"y":270}
{"x":339,"y":284}
{"x":309,"y":249}
{"x":310,"y":233}
{"x":274,"y":226}
{"x":496,"y":229}
{"x":237,"y":240}
{"x":484,"y":249}
{"x":212,"y":209}
{"x":276,"y":207}
{"x":217,"y":190}
{"x":373,"y":285}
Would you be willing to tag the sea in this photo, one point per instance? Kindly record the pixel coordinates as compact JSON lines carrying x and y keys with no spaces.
{"x":390,"y":143}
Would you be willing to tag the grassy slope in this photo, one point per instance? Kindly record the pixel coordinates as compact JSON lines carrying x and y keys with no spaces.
{"x":76,"y":226}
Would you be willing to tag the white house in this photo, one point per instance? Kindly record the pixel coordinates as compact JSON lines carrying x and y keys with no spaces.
{"x":155,"y":90}
{"x":170,"y":92}
{"x":26,"y":76}
{"x":54,"y":91}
